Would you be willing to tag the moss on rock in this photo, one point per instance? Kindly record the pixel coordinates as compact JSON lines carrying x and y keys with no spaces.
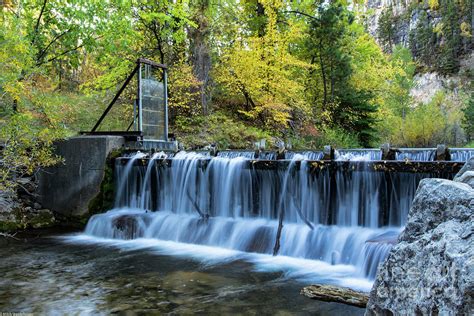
{"x":23,"y":218}
{"x":104,"y":200}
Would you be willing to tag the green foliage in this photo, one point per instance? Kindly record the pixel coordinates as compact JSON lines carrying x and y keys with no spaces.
{"x":397,"y":96}
{"x":468,"y":119}
{"x":386,"y":29}
{"x":162,"y":26}
{"x":27,"y":147}
{"x":343,"y":102}
{"x":218,"y":128}
{"x":305,"y":71}
{"x":438,"y":43}
{"x":427,"y":125}
{"x":184,"y":87}
{"x":312,"y":138}
{"x":261,"y":75}
{"x":450,"y":49}
{"x":43,"y":44}
{"x":423,"y":40}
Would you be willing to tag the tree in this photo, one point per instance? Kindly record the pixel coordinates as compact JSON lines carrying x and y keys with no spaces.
{"x":44,"y":44}
{"x":163,"y":26}
{"x":330,"y":45}
{"x":468,"y":120}
{"x":184,"y":91}
{"x":386,"y":28}
{"x":423,"y":40}
{"x":199,"y":37}
{"x":261,"y":70}
{"x":451,"y":32}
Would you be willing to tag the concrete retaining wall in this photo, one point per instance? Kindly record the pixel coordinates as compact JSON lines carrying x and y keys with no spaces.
{"x":69,"y":187}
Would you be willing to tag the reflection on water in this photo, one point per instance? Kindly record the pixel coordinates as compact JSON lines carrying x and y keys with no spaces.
{"x":49,"y":276}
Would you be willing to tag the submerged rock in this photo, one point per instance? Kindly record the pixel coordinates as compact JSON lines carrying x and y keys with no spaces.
{"x":128,"y":227}
{"x":430,"y":270}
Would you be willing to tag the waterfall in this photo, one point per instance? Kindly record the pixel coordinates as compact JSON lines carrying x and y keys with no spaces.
{"x":235,"y":154}
{"x":416,"y":154}
{"x":358,"y":155}
{"x":461,"y":154}
{"x":123,"y":178}
{"x":308,"y":155}
{"x":342,"y":216}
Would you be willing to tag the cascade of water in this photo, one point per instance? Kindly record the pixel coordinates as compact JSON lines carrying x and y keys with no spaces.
{"x":146,"y":203}
{"x":461,"y":154}
{"x":123,"y":177}
{"x":416,"y":154}
{"x":308,"y":155}
{"x":235,"y":154}
{"x":332,"y":244}
{"x":358,"y":155}
{"x":267,"y":155}
{"x":232,"y":187}
{"x":355,"y":214}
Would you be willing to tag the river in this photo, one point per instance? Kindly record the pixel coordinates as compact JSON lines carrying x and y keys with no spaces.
{"x":65,"y":274}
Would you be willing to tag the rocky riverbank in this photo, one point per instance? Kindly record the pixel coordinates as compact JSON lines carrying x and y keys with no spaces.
{"x":21,"y":210}
{"x":430,"y":270}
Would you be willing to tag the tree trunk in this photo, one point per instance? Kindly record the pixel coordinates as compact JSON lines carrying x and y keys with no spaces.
{"x":200,"y":52}
{"x":323,"y":73}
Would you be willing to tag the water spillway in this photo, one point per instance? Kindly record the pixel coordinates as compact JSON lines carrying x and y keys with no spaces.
{"x":345,"y":214}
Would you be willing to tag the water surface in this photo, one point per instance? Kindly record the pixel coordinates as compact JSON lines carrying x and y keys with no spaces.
{"x":51,"y":275}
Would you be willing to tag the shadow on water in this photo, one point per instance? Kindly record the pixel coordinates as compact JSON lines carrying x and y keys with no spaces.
{"x":45,"y":275}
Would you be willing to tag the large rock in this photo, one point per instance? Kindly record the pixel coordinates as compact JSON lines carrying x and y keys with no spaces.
{"x":15,"y":215}
{"x":430,"y":270}
{"x":466,"y":174}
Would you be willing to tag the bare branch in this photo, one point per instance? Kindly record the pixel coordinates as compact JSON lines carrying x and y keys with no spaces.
{"x":38,"y":21}
{"x":64,"y":53}
{"x":42,"y":53}
{"x":12,"y":236}
{"x":302,"y":13}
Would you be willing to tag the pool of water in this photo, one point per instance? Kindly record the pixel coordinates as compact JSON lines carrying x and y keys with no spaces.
{"x":58,"y":275}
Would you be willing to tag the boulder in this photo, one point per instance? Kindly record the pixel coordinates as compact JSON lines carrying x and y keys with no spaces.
{"x":127,"y":227}
{"x":467,"y":177}
{"x":8,"y":207}
{"x":15,"y":215}
{"x":430,"y":270}
{"x":466,"y":174}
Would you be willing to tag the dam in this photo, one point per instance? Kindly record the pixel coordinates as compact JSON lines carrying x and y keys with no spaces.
{"x":343,"y":214}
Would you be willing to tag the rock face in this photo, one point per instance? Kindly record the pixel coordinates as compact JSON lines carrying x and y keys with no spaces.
{"x":430,"y":270}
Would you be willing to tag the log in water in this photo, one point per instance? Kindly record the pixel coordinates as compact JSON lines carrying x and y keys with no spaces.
{"x":339,"y":294}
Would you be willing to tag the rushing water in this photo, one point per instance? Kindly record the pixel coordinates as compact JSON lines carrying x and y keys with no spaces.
{"x":358,"y":155}
{"x":461,"y":154}
{"x":339,"y":223}
{"x":402,"y":154}
{"x":416,"y":155}
{"x":51,"y":276}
